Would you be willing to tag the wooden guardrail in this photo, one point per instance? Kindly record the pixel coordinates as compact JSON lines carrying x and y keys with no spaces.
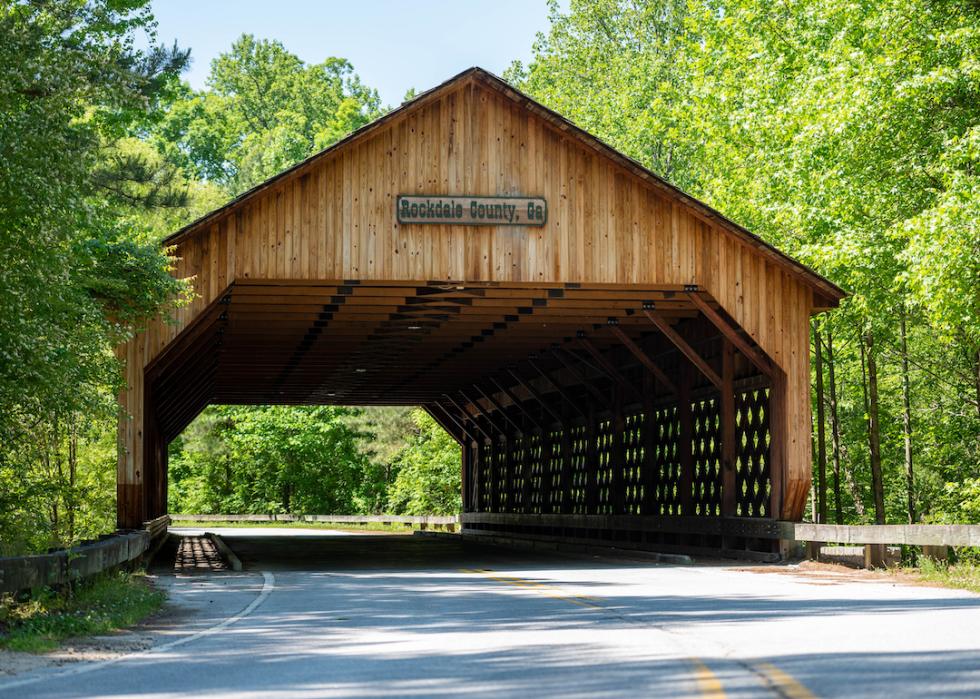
{"x":934,"y":538}
{"x":85,"y":560}
{"x":422,"y":521}
{"x":892,"y":534}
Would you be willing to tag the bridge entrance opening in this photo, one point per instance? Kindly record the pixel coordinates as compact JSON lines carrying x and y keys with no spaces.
{"x":622,"y":365}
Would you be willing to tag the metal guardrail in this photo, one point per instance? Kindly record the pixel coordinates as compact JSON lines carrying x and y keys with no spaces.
{"x":85,"y":560}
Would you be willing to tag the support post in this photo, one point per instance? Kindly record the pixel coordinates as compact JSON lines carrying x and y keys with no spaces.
{"x":467,"y":469}
{"x":777,"y":443}
{"x":591,"y":465}
{"x":544,"y":485}
{"x":477,"y":464}
{"x":684,"y":446}
{"x":727,"y":416}
{"x":495,"y":477}
{"x":617,"y":465}
{"x":566,"y":469}
{"x":649,"y":473}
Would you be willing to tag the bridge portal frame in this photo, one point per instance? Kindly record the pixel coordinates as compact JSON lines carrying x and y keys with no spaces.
{"x":638,"y":354}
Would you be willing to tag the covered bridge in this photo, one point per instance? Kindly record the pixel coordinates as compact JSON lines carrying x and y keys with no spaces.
{"x":617,"y":360}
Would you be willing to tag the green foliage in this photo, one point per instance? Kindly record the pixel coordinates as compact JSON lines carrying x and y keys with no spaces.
{"x":845,"y":133}
{"x":385,"y":431}
{"x":77,"y":277}
{"x":314,"y":460}
{"x":429,"y":472}
{"x":268,"y":459}
{"x":264,"y":111}
{"x":964,"y":575}
{"x":96,"y":606}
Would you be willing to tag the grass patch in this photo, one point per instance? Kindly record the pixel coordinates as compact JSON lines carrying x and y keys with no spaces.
{"x":369,"y":526}
{"x":962,"y":575}
{"x":96,"y":606}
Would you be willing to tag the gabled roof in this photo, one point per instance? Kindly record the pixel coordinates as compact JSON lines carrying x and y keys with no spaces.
{"x":821,"y":285}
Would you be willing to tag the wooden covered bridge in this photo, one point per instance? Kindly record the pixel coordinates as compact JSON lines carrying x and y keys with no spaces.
{"x":618,"y":361}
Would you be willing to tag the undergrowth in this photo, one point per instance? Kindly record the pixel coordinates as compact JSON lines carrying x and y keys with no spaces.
{"x":92,"y":607}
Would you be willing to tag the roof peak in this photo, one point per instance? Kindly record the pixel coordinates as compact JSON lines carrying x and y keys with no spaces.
{"x":820,"y":284}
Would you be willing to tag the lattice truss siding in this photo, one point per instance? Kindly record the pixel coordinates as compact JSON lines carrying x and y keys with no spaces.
{"x":636,"y":469}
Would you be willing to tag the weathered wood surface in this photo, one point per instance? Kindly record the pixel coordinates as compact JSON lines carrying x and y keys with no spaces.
{"x":611,"y":226}
{"x":890,"y":534}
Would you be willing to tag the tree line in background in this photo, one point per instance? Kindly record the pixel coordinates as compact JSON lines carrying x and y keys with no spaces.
{"x":846,"y":133}
{"x":314,"y":460}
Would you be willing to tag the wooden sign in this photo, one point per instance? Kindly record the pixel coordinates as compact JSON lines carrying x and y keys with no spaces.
{"x":464,"y":210}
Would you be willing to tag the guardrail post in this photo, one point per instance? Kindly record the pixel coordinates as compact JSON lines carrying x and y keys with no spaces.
{"x":874,"y":556}
{"x":813,"y":550}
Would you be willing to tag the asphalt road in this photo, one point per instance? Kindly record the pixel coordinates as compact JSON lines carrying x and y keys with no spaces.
{"x":396,"y":616}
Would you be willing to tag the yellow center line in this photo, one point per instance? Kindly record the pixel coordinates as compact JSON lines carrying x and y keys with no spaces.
{"x":708,"y":683}
{"x":782,"y":682}
{"x":546,"y":590}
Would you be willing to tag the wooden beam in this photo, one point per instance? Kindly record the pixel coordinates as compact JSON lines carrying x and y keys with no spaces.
{"x":752,"y":353}
{"x":466,"y":416}
{"x":561,"y":393}
{"x":534,"y":394}
{"x":516,"y":401}
{"x":445,"y":421}
{"x":484,"y":413}
{"x":643,"y":358}
{"x":580,"y":377}
{"x":688,"y":351}
{"x":605,"y":366}
{"x":499,"y":408}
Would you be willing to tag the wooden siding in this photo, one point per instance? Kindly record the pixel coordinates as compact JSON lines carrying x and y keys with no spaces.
{"x":334,"y":218}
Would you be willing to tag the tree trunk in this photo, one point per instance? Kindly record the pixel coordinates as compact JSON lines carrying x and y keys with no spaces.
{"x":874,"y":430}
{"x":907,"y":422}
{"x":977,"y":367}
{"x":834,"y":428}
{"x":72,"y":477}
{"x":821,"y":486}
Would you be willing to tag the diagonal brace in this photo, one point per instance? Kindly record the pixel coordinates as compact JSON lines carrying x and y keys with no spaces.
{"x":688,"y":351}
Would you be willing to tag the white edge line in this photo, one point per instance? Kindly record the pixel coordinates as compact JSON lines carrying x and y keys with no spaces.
{"x":268,"y":585}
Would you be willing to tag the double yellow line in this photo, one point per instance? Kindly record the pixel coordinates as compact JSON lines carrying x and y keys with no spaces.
{"x":546,"y":590}
{"x":709,"y":685}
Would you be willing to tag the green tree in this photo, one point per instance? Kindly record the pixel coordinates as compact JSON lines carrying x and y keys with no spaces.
{"x":267,"y":459}
{"x":264,"y":110}
{"x":845,"y":133}
{"x":75,"y":278}
{"x":429,"y":472}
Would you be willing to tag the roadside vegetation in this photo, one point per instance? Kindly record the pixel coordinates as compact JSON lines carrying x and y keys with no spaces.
{"x":96,"y":606}
{"x":964,"y":575}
